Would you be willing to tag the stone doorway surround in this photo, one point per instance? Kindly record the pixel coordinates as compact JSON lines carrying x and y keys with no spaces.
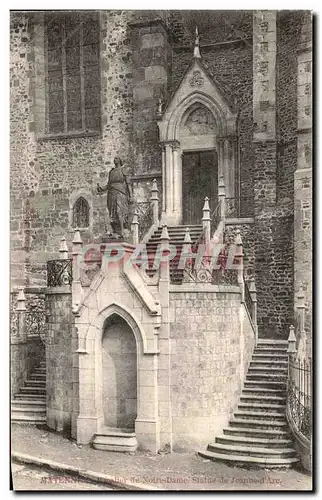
{"x":142,"y":315}
{"x":198,"y":117}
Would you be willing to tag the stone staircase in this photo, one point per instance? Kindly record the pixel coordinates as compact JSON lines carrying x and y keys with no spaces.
{"x":115,"y":439}
{"x":258,"y":434}
{"x":176,"y":235}
{"x":29,"y":404}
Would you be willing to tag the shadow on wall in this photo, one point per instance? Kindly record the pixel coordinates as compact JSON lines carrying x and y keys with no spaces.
{"x":119,"y":360}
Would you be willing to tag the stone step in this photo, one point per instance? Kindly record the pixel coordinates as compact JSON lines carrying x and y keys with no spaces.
{"x":181,"y":229}
{"x":28,"y":397}
{"x":32,"y":390}
{"x":252,"y":383}
{"x":256,"y":423}
{"x":265,"y":391}
{"x":273,"y":364}
{"x":179,"y":235}
{"x":257,"y":433}
{"x":22,"y":419}
{"x":254,"y":451}
{"x":257,"y":407}
{"x":265,"y":341}
{"x":31,"y":412}
{"x":246,"y":461}
{"x":255,"y":441}
{"x":266,"y":376}
{"x":263,"y":400}
{"x":267,"y":368}
{"x":259,"y":415}
{"x":36,"y":383}
{"x":272,"y":357}
{"x":28,"y":402}
{"x":38,"y":378}
{"x":269,"y":350}
{"x":121,"y":440}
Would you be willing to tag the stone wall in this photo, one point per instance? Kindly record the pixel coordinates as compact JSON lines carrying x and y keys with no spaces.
{"x":288,"y":33}
{"x":275,"y":163}
{"x":49,"y":173}
{"x":59,"y":359}
{"x":205,"y":364}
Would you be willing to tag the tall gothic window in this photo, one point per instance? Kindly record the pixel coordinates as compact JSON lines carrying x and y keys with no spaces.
{"x":73,"y":78}
{"x":81,"y":213}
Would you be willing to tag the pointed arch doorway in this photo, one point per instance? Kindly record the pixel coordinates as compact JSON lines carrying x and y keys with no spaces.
{"x":198,"y":119}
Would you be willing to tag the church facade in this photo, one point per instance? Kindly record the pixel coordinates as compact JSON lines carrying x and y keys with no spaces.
{"x":211,"y":116}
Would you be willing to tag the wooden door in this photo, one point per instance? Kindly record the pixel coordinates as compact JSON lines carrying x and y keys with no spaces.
{"x":199,"y":179}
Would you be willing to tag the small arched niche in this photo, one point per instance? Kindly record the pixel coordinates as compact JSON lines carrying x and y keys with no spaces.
{"x":119,"y":369}
{"x":81,"y":213}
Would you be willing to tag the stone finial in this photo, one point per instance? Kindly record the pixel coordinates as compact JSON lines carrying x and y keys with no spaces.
{"x":187,"y":237}
{"x":301,"y":298}
{"x":252,"y":286}
{"x":238,"y":240}
{"x":196,"y":50}
{"x":206,"y":220}
{"x":291,"y":341}
{"x":21,"y":299}
{"x":135,"y":228}
{"x":160,"y":106}
{"x":221,"y":186}
{"x":63,"y":249}
{"x":77,"y":238}
{"x":206,"y":205}
{"x":154,"y":189}
{"x":135,"y":219}
{"x":165,"y":234}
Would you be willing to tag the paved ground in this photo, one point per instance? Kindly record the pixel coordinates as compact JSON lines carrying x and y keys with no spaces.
{"x":168,"y":472}
{"x":26,"y":478}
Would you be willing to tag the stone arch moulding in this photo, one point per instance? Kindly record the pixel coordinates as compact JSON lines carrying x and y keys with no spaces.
{"x":129,"y":317}
{"x":197,"y":88}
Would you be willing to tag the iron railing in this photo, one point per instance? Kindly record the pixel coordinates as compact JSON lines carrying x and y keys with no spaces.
{"x":299,"y":392}
{"x":215,"y":219}
{"x":59,"y":272}
{"x":248,"y":299}
{"x":143,"y":210}
{"x":35,"y":315}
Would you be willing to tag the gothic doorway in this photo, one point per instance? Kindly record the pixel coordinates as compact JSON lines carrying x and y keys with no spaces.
{"x":199,"y":179}
{"x":119,"y":358}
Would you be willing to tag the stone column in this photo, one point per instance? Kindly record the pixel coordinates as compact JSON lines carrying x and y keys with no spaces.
{"x":177,"y":181}
{"x":168,"y":179}
{"x":164,"y":362}
{"x":226,"y":168}
{"x":172,"y":183}
{"x":164,"y":201}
